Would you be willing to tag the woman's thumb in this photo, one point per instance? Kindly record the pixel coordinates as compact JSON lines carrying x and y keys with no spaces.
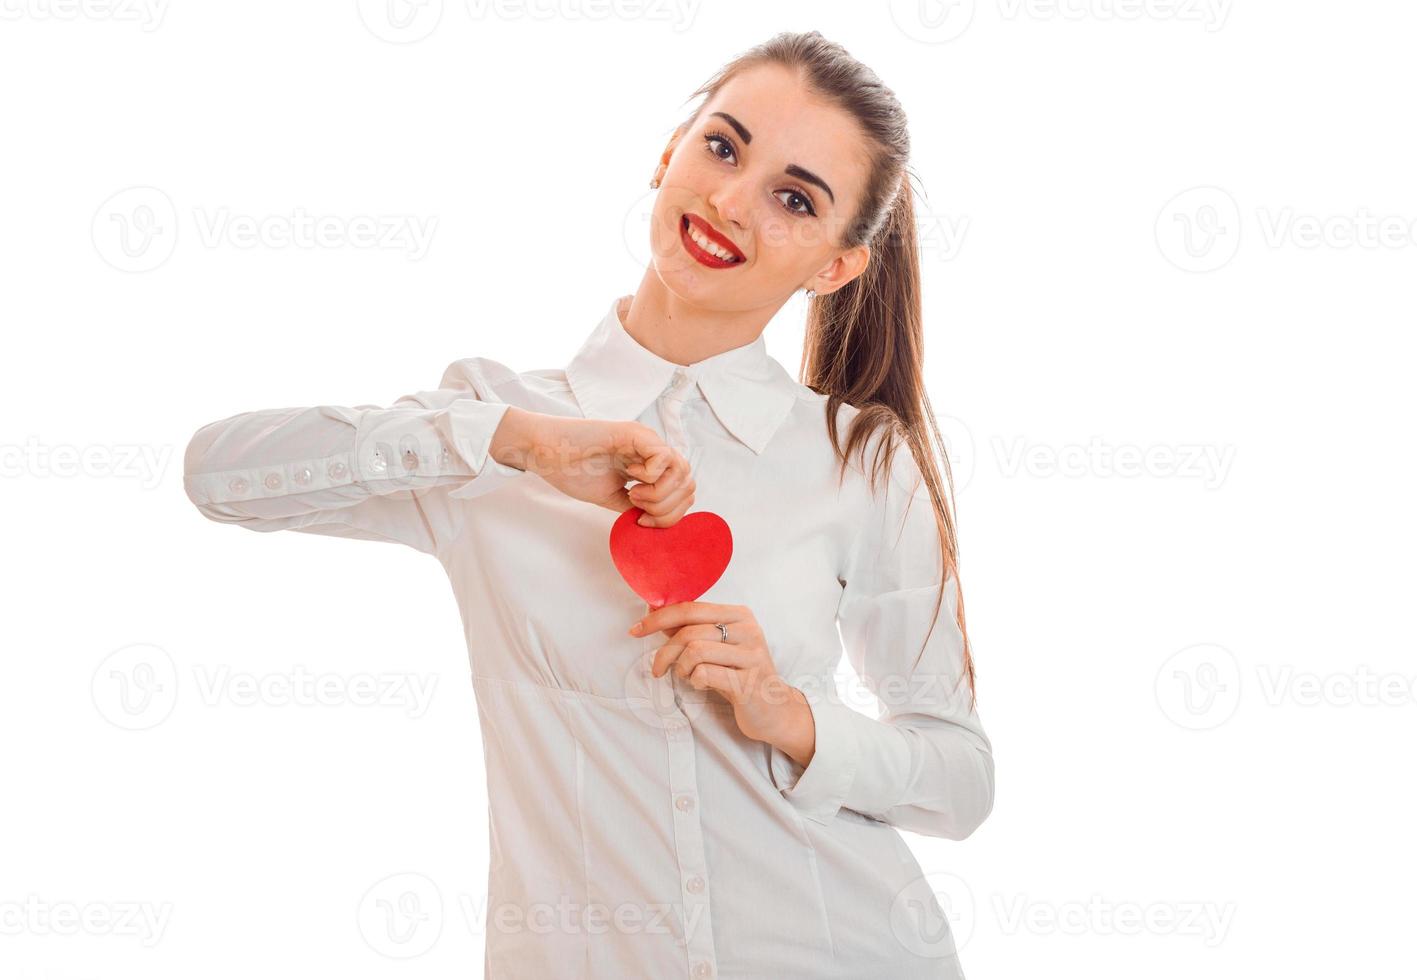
{"x":655,"y":464}
{"x":620,"y":501}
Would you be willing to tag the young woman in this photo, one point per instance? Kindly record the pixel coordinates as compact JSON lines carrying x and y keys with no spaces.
{"x":680,"y":792}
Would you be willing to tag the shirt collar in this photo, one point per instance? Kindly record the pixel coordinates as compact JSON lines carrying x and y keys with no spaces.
{"x":613,"y":376}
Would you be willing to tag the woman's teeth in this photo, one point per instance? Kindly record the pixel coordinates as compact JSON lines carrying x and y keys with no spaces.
{"x":710,"y":247}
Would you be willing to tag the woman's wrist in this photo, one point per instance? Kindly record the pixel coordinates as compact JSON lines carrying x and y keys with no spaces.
{"x":517,"y":437}
{"x":797,"y":735}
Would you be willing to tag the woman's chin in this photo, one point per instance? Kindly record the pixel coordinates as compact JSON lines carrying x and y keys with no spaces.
{"x":705,"y":288}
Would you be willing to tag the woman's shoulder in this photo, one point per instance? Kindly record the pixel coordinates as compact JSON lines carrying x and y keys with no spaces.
{"x":811,"y":405}
{"x":484,"y":376}
{"x":880,"y":462}
{"x":876,"y":468}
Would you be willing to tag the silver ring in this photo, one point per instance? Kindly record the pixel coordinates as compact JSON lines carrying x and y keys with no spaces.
{"x":722,"y":632}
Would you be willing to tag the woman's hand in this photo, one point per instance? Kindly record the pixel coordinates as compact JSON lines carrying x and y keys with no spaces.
{"x":765,"y":706}
{"x":592,"y":459}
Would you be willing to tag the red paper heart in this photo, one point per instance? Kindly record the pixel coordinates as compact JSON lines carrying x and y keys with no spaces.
{"x":665,"y":565}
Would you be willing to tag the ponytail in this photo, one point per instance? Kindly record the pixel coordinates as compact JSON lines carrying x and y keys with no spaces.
{"x":865,"y":346}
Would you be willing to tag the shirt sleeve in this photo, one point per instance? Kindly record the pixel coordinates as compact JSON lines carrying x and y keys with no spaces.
{"x":379,"y":473}
{"x":924,"y":764}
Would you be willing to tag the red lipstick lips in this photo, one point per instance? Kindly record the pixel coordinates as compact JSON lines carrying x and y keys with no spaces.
{"x":708,"y":258}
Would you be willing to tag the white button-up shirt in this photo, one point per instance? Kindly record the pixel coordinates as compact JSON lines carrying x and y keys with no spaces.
{"x":635,"y":831}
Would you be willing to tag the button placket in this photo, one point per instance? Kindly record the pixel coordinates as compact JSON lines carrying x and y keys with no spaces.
{"x":679,"y":741}
{"x":689,"y":850}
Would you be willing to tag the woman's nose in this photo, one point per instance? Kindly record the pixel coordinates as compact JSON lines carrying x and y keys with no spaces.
{"x":729,"y":202}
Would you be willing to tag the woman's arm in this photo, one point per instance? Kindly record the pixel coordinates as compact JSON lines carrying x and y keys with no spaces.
{"x":365,"y":471}
{"x":925,"y":764}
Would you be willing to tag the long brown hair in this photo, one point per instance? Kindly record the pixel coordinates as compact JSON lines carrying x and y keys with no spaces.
{"x":864,"y":343}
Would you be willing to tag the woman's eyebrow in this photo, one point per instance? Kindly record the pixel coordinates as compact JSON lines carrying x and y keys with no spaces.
{"x":801,"y":173}
{"x":810,"y":178}
{"x":742,"y":130}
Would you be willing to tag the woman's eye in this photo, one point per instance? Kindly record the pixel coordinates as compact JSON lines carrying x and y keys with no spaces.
{"x":711,"y":140}
{"x":799,"y":197}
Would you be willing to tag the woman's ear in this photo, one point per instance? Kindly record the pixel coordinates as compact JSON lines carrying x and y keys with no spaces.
{"x":664,"y":157}
{"x":840,"y":271}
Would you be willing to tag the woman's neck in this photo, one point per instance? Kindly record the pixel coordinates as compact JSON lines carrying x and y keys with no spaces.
{"x":663,"y":324}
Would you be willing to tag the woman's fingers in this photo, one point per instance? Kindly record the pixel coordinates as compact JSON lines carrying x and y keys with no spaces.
{"x":667,"y":499}
{"x":668,"y":511}
{"x":663,"y":494}
{"x":681,"y":658}
{"x":653,"y":454}
{"x":672,"y":483}
{"x":665,"y":491}
{"x":656,"y":466}
{"x":659,"y":465}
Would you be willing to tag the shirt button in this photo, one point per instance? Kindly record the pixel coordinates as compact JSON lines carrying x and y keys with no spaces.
{"x":695,"y":884}
{"x":272,"y":481}
{"x":338,"y":470}
{"x":376,"y":462}
{"x":410,"y":459}
{"x":239,"y":485}
{"x":685,"y":802}
{"x":303,"y":475}
{"x":703,"y":969}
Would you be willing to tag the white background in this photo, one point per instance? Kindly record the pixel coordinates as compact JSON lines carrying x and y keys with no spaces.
{"x":1169,"y":253}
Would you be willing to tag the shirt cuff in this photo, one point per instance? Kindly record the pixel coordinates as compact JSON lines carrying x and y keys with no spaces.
{"x":859,"y":762}
{"x":819,"y":790}
{"x":415,"y":445}
{"x":476,"y":423}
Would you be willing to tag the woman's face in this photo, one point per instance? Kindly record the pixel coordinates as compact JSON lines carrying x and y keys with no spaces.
{"x":771,"y":175}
